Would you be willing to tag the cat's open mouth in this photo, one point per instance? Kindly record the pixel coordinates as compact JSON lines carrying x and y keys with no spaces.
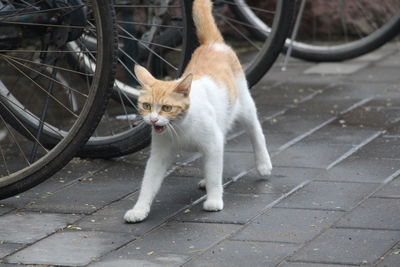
{"x":158,"y":129}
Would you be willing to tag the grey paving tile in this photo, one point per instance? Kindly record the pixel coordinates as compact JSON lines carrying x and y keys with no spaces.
{"x":170,"y":245}
{"x":234,"y":163}
{"x":175,"y":193}
{"x":374,"y":213}
{"x":4,"y":209}
{"x":288,"y":225}
{"x":348,"y":246}
{"x":391,"y":190}
{"x":303,"y":264}
{"x":78,"y":248}
{"x":8,"y":248}
{"x":27,"y":227}
{"x":238,"y":209}
{"x":338,"y":135}
{"x":243,"y":144}
{"x":282,"y":180}
{"x":238,"y":253}
{"x":370,"y":117}
{"x":313,"y":155}
{"x":392,"y":259}
{"x":381,"y":148}
{"x":92,"y":193}
{"x":335,"y":68}
{"x":293,"y":123}
{"x":76,"y":169}
{"x":361,"y":170}
{"x":320,"y":104}
{"x":328,"y":195}
{"x":376,"y":74}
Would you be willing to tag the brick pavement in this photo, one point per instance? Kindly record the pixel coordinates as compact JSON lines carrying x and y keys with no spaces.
{"x":333,"y":198}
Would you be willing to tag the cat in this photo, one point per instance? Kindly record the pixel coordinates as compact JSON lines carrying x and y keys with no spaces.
{"x":195,"y":113}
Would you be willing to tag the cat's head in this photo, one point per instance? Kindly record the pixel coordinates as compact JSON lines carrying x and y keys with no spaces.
{"x":162,"y":101}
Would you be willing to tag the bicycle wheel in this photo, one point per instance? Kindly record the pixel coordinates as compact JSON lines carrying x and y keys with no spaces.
{"x":257,"y":55}
{"x":153,"y":34}
{"x":34,"y":65}
{"x":337,"y":30}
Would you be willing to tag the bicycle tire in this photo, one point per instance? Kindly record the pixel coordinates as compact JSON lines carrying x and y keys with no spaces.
{"x":335,"y":53}
{"x":90,"y":115}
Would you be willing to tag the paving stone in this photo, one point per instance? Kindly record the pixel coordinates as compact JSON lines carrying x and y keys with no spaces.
{"x":92,"y":193}
{"x":392,"y":259}
{"x":27,"y":227}
{"x":8,"y":248}
{"x":238,"y":253}
{"x":386,"y":148}
{"x":348,"y":246}
{"x":234,"y":163}
{"x":167,"y":260}
{"x":303,"y":264}
{"x":238,"y":209}
{"x":78,"y":248}
{"x":377,"y":74}
{"x":73,"y":171}
{"x":282,"y":180}
{"x":323,"y":105}
{"x":354,"y":169}
{"x":374,"y":213}
{"x":170,"y":245}
{"x":328,"y":195}
{"x":391,"y":190}
{"x":339,"y":135}
{"x":344,"y":91}
{"x":370,"y":117}
{"x":314,"y":155}
{"x":287,"y":225}
{"x":243,"y":144}
{"x":4,"y":209}
{"x":391,"y":61}
{"x":175,"y":193}
{"x":335,"y":68}
{"x":293,"y":123}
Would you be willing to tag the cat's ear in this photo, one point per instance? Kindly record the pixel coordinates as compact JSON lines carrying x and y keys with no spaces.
{"x":143,"y":76}
{"x":184,"y":86}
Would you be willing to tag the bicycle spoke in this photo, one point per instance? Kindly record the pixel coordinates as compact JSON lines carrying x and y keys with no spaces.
{"x":148,"y":48}
{"x":151,"y":43}
{"x":148,"y":24}
{"x":42,"y":89}
{"x":50,"y":78}
{"x":240,"y":33}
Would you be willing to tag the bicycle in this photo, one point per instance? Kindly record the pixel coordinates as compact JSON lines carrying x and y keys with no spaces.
{"x":358,"y":27}
{"x":34,"y":71}
{"x":135,"y":136}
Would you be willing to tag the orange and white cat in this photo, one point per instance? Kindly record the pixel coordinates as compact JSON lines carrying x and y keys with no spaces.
{"x":195,"y":112}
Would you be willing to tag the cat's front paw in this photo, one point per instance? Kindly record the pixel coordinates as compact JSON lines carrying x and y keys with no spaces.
{"x":136,"y":215}
{"x":264,"y":169}
{"x":213,"y":205}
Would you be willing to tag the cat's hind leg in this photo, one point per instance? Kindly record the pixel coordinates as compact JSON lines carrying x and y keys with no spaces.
{"x":249,"y":119}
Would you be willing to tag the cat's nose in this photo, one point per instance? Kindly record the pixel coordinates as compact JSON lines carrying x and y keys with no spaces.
{"x":153,"y":120}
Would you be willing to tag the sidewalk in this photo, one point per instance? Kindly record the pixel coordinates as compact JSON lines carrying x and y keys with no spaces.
{"x":333,"y":198}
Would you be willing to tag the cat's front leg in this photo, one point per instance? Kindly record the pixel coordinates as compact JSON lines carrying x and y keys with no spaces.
{"x":213,"y":166}
{"x":156,"y":167}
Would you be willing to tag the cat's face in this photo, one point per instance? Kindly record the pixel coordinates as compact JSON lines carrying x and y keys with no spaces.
{"x":161,"y":102}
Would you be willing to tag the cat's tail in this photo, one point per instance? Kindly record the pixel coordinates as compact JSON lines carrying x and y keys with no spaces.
{"x":206,"y":29}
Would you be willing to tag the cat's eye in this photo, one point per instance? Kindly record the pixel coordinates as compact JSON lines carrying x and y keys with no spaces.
{"x":166,"y":108}
{"x":146,"y":106}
